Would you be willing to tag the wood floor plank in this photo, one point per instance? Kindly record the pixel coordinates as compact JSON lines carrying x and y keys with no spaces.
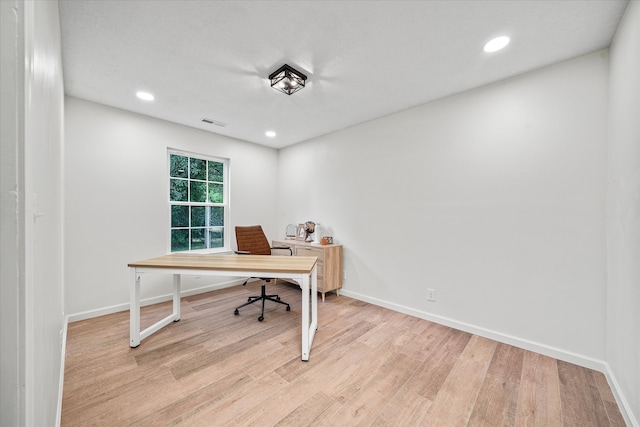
{"x":310,"y":413}
{"x":539,"y":402}
{"x":365,"y":405}
{"x":383,"y":328}
{"x":456,"y":398}
{"x":354,"y":378}
{"x":339,"y":343}
{"x":581,"y":401}
{"x":507,"y":363}
{"x":429,"y":336}
{"x":124,"y":403}
{"x":305,"y":384}
{"x":496,"y":404}
{"x":190,"y":365}
{"x":498,"y":397}
{"x":438,"y":363}
{"x":406,"y":408}
{"x":257,"y":394}
{"x":368,"y":366}
{"x":190,"y":404}
{"x":610,"y":404}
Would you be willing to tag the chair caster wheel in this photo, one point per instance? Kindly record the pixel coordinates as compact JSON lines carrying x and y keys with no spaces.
{"x":260,"y":319}
{"x":288,"y":308}
{"x":236,"y":312}
{"x":249,"y":299}
{"x":277,"y":298}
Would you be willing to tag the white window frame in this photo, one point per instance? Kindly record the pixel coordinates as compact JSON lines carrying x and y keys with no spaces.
{"x":225,"y":203}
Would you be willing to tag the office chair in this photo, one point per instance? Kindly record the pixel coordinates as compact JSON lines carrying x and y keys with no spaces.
{"x":252,"y":241}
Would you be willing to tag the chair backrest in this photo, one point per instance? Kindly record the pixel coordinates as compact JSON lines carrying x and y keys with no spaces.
{"x":252,"y":239}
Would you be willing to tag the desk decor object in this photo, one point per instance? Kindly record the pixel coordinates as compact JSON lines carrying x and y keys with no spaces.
{"x":302,"y":270}
{"x":301,"y":233}
{"x":326,"y":240}
{"x":309,"y":228}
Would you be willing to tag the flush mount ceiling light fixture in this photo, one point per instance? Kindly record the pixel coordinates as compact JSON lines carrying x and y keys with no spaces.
{"x":287,"y":79}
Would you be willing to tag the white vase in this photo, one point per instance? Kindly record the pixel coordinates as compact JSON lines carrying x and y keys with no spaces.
{"x":317,"y":234}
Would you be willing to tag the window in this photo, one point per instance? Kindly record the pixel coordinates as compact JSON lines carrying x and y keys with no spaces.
{"x":198,"y":196}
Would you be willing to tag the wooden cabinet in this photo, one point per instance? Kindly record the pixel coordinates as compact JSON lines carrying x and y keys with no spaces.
{"x":329,"y":262}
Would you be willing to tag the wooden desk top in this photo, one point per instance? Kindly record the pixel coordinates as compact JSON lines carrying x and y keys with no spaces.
{"x":261,"y":263}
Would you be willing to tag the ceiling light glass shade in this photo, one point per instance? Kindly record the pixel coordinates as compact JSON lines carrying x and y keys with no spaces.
{"x":496,"y":44}
{"x":287,"y":79}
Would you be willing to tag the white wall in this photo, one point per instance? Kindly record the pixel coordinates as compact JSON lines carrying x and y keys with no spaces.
{"x":623,"y":209}
{"x":32,"y":234}
{"x":116,"y":205}
{"x":12,"y":310}
{"x":494,"y":198}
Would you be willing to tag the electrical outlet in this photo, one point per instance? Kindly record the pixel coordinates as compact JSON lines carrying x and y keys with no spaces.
{"x":344,"y":275}
{"x":431,"y":294}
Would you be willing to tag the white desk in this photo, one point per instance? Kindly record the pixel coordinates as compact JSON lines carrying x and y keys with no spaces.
{"x":300,"y":269}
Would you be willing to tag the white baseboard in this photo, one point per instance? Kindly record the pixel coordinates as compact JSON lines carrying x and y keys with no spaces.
{"x":149,"y":301}
{"x":623,"y":403}
{"x":556,"y":353}
{"x":63,"y":355}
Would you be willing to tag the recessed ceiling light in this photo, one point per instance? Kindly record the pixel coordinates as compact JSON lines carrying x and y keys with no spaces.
{"x":145,"y":96}
{"x":496,"y":44}
{"x":270,"y":133}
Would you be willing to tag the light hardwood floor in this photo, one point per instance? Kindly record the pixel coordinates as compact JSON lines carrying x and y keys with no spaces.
{"x":369,"y":366}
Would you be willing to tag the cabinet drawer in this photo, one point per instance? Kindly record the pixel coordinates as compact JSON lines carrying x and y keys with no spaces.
{"x":317,"y":252}
{"x":306,"y":251}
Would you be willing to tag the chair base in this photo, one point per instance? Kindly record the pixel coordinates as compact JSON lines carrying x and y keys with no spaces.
{"x":262,"y":297}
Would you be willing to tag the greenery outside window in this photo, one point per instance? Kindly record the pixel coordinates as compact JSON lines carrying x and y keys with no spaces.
{"x":198,"y":196}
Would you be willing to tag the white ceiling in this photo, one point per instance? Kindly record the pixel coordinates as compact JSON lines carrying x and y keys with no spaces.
{"x":364,"y":59}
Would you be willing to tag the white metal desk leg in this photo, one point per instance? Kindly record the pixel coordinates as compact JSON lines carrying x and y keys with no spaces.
{"x":314,"y":303}
{"x":309,"y":328}
{"x":176,"y":297}
{"x":134,"y":310}
{"x":305,"y":318}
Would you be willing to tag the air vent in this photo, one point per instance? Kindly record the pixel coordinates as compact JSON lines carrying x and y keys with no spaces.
{"x":213,"y":122}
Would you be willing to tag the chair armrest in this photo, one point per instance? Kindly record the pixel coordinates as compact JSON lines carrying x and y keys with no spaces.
{"x":284,"y":248}
{"x":242,"y":252}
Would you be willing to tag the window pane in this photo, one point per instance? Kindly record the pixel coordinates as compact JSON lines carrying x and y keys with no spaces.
{"x":178,"y":190}
{"x":197,"y":238}
{"x":216,"y":237}
{"x":216,"y":216}
{"x":179,"y":240}
{"x":179,"y":216}
{"x":198,"y":216}
{"x":198,"y":191}
{"x":178,"y":166}
{"x":194,"y":183}
{"x":198,"y":169}
{"x":215,"y":171}
{"x":215,"y":193}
